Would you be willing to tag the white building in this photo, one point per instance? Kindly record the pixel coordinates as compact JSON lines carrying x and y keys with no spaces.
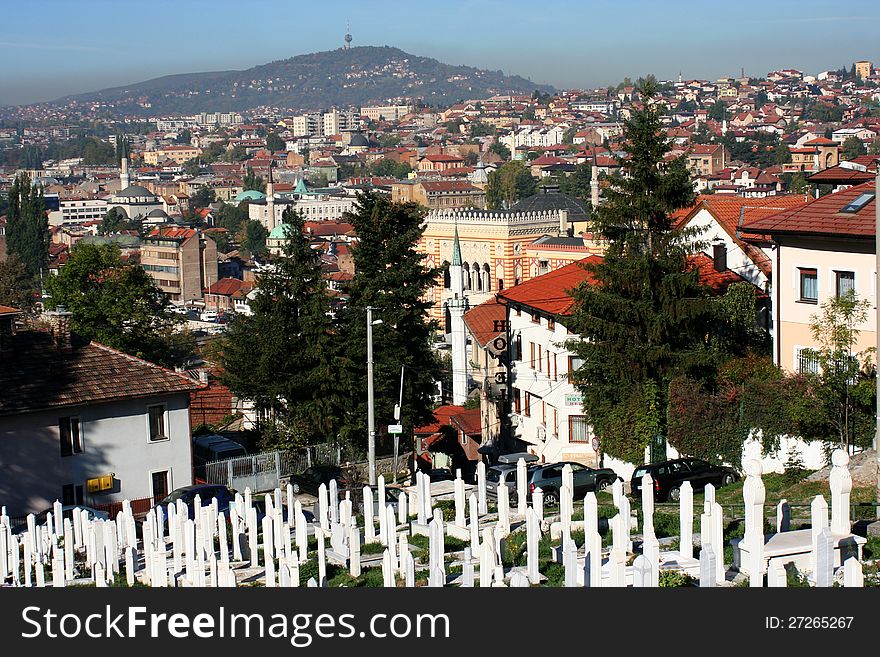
{"x":74,"y":211}
{"x":73,"y":411}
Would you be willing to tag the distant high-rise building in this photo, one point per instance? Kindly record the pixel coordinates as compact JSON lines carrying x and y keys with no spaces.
{"x":864,"y":69}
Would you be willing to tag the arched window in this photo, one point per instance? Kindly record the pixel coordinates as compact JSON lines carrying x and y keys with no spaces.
{"x":447,"y":318}
{"x":446,"y":278}
{"x":466,"y":276}
{"x":478,"y":281}
{"x":487,"y":278}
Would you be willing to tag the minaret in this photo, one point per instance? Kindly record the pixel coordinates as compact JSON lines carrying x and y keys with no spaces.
{"x":594,"y":185}
{"x":124,"y":179}
{"x":270,"y":201}
{"x":457,"y":307}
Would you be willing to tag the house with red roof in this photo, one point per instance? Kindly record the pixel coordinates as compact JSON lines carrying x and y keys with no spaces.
{"x":547,"y":416}
{"x":818,"y":250}
{"x":451,"y":441}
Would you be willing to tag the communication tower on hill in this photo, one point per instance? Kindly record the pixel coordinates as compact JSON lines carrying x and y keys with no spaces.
{"x":347,"y":38}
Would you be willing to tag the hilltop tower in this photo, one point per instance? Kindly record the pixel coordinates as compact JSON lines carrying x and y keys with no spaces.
{"x":347,"y":37}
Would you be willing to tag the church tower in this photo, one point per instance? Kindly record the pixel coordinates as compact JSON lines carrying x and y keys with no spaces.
{"x":457,"y":307}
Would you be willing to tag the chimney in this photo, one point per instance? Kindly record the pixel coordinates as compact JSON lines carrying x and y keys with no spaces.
{"x":563,"y":223}
{"x":719,"y":256}
{"x":59,"y":327}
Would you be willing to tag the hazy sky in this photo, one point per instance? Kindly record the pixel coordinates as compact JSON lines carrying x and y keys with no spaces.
{"x":50,"y":48}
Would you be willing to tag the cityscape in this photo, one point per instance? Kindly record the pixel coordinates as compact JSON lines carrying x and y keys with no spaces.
{"x":360,"y":317}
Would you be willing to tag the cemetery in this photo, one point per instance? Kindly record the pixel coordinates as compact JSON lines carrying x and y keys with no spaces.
{"x":455,"y":534}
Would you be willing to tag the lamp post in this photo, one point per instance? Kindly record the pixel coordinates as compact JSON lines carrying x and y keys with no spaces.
{"x":371,"y":413}
{"x":877,"y":331}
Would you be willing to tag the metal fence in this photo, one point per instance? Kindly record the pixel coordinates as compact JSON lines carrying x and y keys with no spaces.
{"x":264,"y":471}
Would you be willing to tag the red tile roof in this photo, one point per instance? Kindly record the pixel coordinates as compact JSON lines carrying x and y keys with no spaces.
{"x":37,"y":376}
{"x":227,"y":287}
{"x":172,"y":232}
{"x":823,"y":216}
{"x":551,"y":293}
{"x":481,"y":320}
{"x":8,"y":310}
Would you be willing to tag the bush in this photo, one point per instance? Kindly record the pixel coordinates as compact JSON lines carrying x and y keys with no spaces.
{"x":675,"y":579}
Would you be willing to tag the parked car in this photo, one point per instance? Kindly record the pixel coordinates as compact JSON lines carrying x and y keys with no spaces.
{"x":441,"y":474}
{"x":206,"y":492}
{"x":311,"y":479}
{"x":548,"y":477}
{"x":668,"y":477}
{"x":66,"y":512}
{"x":392,"y":498}
{"x":506,"y":468}
{"x":208,"y":316}
{"x":207,"y":449}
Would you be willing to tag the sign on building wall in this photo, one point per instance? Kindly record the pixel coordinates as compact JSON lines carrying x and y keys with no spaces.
{"x":574,"y":400}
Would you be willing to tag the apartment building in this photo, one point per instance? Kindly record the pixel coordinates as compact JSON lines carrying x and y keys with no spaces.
{"x":182,"y":261}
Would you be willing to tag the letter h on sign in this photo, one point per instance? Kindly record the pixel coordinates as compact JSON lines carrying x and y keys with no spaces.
{"x":499,"y":325}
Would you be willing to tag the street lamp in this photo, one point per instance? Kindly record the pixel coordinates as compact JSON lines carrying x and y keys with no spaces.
{"x":371,"y":413}
{"x":877,"y":331}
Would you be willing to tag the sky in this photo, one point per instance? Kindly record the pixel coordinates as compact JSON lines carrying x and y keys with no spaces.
{"x":50,"y":48}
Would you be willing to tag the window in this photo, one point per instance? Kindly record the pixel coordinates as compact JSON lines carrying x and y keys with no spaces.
{"x":845,"y":283}
{"x":858,"y":202}
{"x":536,"y":318}
{"x":527,"y":410}
{"x":807,"y":361}
{"x":551,"y":323}
{"x":578,"y":429}
{"x":71,"y":440}
{"x":540,"y":360}
{"x":532,"y":355}
{"x":71,"y":495}
{"x":517,"y":403}
{"x":574,"y":364}
{"x":555,"y":421}
{"x":159,"y":483}
{"x":809,"y":285}
{"x":157,"y":422}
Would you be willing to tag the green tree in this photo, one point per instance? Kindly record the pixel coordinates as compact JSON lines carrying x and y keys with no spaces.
{"x":390,"y":275}
{"x":113,"y":222}
{"x":500,"y":150}
{"x":480,"y":129}
{"x":798,"y":184}
{"x":274,"y":142}
{"x":17,"y":287}
{"x":642,"y":316}
{"x":282,"y":357}
{"x":117,"y":303}
{"x":236,"y":154}
{"x":203,"y":197}
{"x":254,"y":182}
{"x":27,"y":227}
{"x":781,"y":154}
{"x":852,"y":148}
{"x":508,"y":184}
{"x":578,"y":183}
{"x":874,"y":148}
{"x":389,"y":168}
{"x":192,"y":167}
{"x":183,"y":137}
{"x":845,"y":378}
{"x":253,"y":238}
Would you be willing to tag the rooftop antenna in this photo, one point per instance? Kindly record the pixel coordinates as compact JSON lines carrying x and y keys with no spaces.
{"x":347,"y":37}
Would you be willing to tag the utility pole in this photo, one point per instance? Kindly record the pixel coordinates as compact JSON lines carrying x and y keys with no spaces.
{"x":877,"y":332}
{"x":371,"y":414}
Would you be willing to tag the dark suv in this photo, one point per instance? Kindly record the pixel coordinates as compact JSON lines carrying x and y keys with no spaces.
{"x":548,"y":477}
{"x":668,"y":477}
{"x":311,"y":479}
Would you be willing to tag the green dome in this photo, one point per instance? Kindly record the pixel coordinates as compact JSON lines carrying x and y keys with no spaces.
{"x":250,"y":195}
{"x":280,"y":232}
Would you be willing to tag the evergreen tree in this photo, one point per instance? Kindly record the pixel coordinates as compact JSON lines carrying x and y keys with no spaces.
{"x":282,"y":356}
{"x":16,"y":285}
{"x":852,"y":148}
{"x":511,"y":182}
{"x":253,"y":182}
{"x":390,"y":275}
{"x":27,"y":226}
{"x":117,"y":303}
{"x":644,"y":315}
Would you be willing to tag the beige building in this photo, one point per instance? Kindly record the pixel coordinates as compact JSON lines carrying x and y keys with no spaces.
{"x":179,"y":154}
{"x":707,"y":159}
{"x":439,"y":194}
{"x":864,"y":69}
{"x":493,"y":250}
{"x":819,"y":250}
{"x":182,"y":261}
{"x":386,"y":112}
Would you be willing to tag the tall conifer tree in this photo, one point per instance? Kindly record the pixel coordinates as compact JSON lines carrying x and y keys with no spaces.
{"x":282,"y":356}
{"x":645,"y":317}
{"x":390,"y":274}
{"x":27,"y":227}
